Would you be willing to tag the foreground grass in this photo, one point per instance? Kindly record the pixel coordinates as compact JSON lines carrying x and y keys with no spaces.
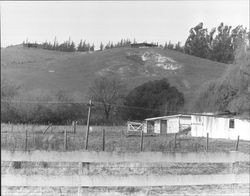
{"x":116,"y":139}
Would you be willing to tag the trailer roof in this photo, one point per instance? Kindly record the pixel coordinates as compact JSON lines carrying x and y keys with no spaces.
{"x":198,"y":114}
{"x":166,"y":117}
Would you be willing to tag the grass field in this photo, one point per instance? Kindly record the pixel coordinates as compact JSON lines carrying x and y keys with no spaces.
{"x":116,"y":139}
{"x":216,"y":190}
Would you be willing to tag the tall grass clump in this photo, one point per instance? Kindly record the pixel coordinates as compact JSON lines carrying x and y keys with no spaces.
{"x":229,"y":92}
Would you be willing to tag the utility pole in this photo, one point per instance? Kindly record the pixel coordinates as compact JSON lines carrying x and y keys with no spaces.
{"x":207,"y":142}
{"x":88,"y":121}
{"x":103,"y":140}
{"x":237,"y":143}
{"x":141,"y":140}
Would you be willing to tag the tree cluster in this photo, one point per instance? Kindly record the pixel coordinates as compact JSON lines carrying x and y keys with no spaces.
{"x":171,"y":46}
{"x":230,"y":91}
{"x":66,"y":46}
{"x":84,"y":47}
{"x":219,"y":44}
{"x":121,"y":43}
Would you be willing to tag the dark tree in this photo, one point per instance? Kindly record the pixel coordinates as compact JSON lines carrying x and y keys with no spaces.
{"x":108,"y":46}
{"x":220,"y":44}
{"x":92,"y":47}
{"x":178,"y":47}
{"x":84,"y":47}
{"x":101,"y":46}
{"x":151,"y":99}
{"x":226,"y":42}
{"x":197,"y":42}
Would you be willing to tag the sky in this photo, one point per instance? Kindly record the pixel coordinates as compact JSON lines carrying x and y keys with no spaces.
{"x":101,"y":21}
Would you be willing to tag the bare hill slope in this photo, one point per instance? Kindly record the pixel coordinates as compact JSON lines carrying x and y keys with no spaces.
{"x":52,"y":70}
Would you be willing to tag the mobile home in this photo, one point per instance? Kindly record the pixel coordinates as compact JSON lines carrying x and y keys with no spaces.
{"x":220,"y":126}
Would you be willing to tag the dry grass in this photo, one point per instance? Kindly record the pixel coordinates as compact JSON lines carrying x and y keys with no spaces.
{"x":13,"y":138}
{"x":194,"y":190}
{"x":121,"y":169}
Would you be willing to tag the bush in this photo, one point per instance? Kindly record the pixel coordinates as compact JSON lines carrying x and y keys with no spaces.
{"x":17,"y":165}
{"x":45,"y":164}
{"x":151,"y":99}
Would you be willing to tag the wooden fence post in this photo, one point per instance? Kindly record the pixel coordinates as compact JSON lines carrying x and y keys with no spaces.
{"x":79,"y":192}
{"x":26,"y":140}
{"x":13,"y":136}
{"x":103,"y":140}
{"x":175,"y":137}
{"x":6,"y":141}
{"x":33,"y":134}
{"x":13,"y":140}
{"x":207,"y":143}
{"x":65,"y":140}
{"x":142,"y":140}
{"x":87,"y":132}
{"x":74,"y":127}
{"x":237,"y":143}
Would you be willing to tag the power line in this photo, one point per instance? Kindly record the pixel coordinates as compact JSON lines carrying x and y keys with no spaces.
{"x":144,"y":108}
{"x":95,"y":103}
{"x":42,"y":102}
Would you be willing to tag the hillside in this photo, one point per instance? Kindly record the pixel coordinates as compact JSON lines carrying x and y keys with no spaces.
{"x":52,"y":70}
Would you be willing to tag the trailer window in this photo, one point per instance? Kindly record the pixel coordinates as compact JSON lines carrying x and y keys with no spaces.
{"x":231,"y":123}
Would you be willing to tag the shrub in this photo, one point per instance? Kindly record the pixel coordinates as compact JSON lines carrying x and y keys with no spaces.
{"x":17,"y":165}
{"x":45,"y":164}
{"x":152,"y":98}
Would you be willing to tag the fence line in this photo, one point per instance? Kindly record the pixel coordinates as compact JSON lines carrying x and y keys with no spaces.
{"x":109,"y":141}
{"x":116,"y":139}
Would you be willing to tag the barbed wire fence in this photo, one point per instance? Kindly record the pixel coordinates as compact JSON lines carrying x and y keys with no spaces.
{"x":101,"y":138}
{"x":75,"y":137}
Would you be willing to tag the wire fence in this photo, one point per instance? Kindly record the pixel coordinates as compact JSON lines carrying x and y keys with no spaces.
{"x":105,"y":138}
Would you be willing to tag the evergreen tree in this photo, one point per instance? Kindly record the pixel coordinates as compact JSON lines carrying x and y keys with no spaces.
{"x":55,"y":44}
{"x":170,"y":45}
{"x":80,"y":45}
{"x":108,"y":45}
{"x":220,"y":48}
{"x":226,"y":42}
{"x":92,"y":48}
{"x":178,"y":47}
{"x":101,"y":46}
{"x":197,"y":42}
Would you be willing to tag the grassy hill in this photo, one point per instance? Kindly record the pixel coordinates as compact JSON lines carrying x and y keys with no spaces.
{"x":73,"y":72}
